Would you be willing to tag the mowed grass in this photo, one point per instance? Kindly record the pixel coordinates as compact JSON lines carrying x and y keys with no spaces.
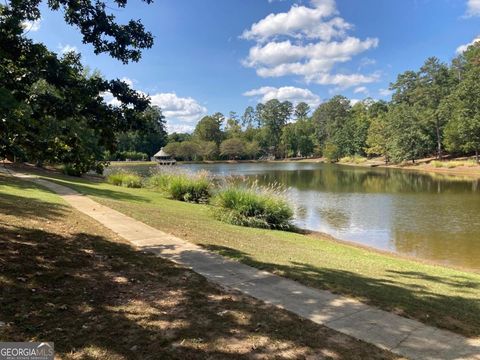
{"x":435,"y":295}
{"x":65,"y":278}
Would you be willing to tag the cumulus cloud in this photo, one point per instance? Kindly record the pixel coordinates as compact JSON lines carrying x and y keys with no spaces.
{"x":300,"y":21}
{"x":181,"y":113}
{"x":307,"y":42}
{"x":286,"y":93}
{"x":67,"y":48}
{"x":473,"y":8}
{"x":127,"y":81}
{"x":462,"y":48}
{"x":32,"y":26}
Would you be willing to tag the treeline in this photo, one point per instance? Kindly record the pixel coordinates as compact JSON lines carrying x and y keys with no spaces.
{"x":434,"y":110}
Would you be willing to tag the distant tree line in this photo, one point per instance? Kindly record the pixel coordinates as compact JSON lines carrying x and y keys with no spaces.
{"x":434,"y":110}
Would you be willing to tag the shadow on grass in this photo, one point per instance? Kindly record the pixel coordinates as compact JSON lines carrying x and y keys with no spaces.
{"x":26,"y":207}
{"x":100,"y":299}
{"x":89,"y":188}
{"x":458,"y":313}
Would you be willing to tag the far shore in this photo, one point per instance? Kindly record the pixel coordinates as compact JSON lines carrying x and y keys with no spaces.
{"x":421,"y":165}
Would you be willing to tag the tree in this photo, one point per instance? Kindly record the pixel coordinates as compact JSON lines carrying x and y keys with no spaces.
{"x":301,"y":111}
{"x":209,"y":128}
{"x":334,"y":126}
{"x":377,"y":137}
{"x":55,"y":112}
{"x":463,"y":107}
{"x":150,"y":138}
{"x":208,"y":150}
{"x":233,"y":128}
{"x":434,"y":85}
{"x":232,"y":148}
{"x":274,"y":115}
{"x":408,"y":140}
{"x":252,"y":149}
{"x":249,"y":117}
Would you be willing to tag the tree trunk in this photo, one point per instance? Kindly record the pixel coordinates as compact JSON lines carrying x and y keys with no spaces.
{"x":439,"y":141}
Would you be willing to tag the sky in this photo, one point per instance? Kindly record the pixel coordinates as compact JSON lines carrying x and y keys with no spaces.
{"x":224,"y":55}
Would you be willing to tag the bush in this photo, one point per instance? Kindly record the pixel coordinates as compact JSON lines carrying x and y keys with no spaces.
{"x":125,"y":179}
{"x":253,"y":207}
{"x":355,"y":159}
{"x":71,"y":170}
{"x":183,"y":186}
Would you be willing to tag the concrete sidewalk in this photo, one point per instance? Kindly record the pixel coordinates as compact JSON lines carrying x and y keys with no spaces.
{"x":399,"y":335}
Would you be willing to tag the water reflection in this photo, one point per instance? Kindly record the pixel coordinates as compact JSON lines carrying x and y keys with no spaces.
{"x":429,"y":216}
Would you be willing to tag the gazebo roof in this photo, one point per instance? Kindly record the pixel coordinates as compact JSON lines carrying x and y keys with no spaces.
{"x":161,"y":153}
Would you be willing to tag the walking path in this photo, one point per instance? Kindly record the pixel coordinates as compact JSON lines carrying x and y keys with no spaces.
{"x":399,"y":335}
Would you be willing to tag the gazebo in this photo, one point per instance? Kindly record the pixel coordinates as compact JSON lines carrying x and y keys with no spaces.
{"x":163,"y":158}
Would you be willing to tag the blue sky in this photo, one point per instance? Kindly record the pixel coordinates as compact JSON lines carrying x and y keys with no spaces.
{"x":223,"y":55}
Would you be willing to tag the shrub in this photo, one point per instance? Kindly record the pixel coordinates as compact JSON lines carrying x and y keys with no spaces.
{"x":355,"y":159}
{"x":71,"y":170}
{"x":253,"y":207}
{"x":187,"y":187}
{"x":125,"y":179}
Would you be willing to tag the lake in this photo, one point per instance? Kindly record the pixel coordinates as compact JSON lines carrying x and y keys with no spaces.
{"x":428,"y":216}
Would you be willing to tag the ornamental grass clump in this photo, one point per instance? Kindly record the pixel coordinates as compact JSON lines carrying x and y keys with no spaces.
{"x":254,"y":206}
{"x":125,"y":179}
{"x":183,"y":186}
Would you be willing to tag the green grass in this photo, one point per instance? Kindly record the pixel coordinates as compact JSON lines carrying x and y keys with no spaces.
{"x":436,"y":295}
{"x":451,"y":164}
{"x":67,"y":279}
{"x":253,"y":207}
{"x":194,"y":188}
{"x":125,"y":179}
{"x":356,"y":159}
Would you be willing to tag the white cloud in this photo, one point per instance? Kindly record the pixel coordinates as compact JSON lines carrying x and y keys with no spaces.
{"x":300,"y":21}
{"x":67,"y":48}
{"x":307,"y":42}
{"x":110,"y":99}
{"x":32,"y":26}
{"x":462,"y":48}
{"x":473,"y":8}
{"x":181,"y":113}
{"x":360,"y":90}
{"x":127,"y":81}
{"x":286,"y":93}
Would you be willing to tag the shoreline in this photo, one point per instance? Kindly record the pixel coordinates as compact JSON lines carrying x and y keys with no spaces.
{"x":422,"y":165}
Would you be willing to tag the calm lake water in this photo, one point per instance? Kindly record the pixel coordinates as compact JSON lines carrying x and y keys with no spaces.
{"x":434,"y":217}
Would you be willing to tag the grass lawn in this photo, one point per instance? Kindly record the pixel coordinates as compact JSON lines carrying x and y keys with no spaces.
{"x":65,"y":278}
{"x":436,"y":295}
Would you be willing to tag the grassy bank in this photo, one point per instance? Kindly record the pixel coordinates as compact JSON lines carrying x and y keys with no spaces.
{"x":436,"y":295}
{"x":65,"y":278}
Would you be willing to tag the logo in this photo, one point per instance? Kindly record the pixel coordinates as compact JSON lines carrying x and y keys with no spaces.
{"x":26,"y":351}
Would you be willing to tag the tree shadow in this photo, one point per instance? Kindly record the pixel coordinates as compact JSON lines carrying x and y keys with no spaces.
{"x":26,"y":207}
{"x":88,"y":188}
{"x":101,"y":299}
{"x":456,"y":313}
